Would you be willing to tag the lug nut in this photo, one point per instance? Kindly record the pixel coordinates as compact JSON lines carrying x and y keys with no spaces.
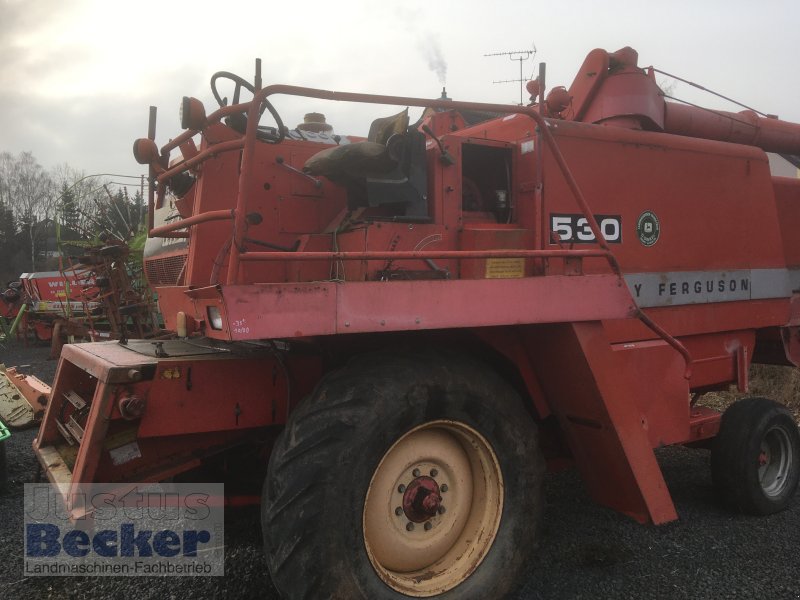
{"x":434,"y":472}
{"x":442,"y":510}
{"x":410,"y":526}
{"x":415,"y":472}
{"x":443,"y":488}
{"x":428,"y":526}
{"x":401,"y":488}
{"x":398,"y":511}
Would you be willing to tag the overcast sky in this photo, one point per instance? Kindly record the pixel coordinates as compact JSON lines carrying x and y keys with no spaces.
{"x":77,"y":76}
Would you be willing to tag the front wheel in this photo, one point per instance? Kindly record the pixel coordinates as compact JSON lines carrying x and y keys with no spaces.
{"x":755,"y":459}
{"x":404,"y":476}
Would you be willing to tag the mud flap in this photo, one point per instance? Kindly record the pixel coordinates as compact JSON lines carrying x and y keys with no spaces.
{"x":593,"y":395}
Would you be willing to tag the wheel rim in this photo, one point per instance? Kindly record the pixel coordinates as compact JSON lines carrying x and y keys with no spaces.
{"x":433,"y":508}
{"x":774,"y":462}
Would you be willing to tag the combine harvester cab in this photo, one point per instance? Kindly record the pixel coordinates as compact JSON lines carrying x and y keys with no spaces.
{"x":395,"y":335}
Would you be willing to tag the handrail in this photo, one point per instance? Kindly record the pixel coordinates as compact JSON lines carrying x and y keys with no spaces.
{"x":214,"y":117}
{"x":209,"y":152}
{"x":212,"y":215}
{"x":420,"y":255}
{"x":161,"y":179}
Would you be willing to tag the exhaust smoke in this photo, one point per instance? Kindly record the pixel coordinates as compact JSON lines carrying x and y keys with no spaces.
{"x":432,"y":52}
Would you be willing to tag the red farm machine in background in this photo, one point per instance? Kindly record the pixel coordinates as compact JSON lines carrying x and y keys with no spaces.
{"x":395,"y":335}
{"x":49,"y":296}
{"x":94,"y":299}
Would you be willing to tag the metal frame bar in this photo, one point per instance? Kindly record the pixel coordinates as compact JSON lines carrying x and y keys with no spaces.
{"x":421,"y":255}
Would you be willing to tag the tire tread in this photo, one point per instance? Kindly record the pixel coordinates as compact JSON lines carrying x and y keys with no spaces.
{"x":321,"y":428}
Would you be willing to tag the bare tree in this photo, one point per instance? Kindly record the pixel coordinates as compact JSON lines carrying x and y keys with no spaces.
{"x":86,"y":189}
{"x":6,"y":169}
{"x":30,"y":191}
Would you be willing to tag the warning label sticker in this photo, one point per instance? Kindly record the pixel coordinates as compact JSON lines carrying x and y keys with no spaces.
{"x":505,"y":268}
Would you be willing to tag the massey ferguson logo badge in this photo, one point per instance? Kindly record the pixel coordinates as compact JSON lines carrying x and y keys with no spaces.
{"x":648,"y":228}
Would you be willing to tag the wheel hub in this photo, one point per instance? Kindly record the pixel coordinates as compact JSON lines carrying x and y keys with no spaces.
{"x":774,"y":462}
{"x":422,"y":499}
{"x":433,"y":508}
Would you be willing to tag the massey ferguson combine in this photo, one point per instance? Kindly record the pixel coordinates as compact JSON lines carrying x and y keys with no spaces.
{"x":396,"y":335}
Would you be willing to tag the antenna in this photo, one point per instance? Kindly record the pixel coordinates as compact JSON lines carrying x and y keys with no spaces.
{"x":518,"y":55}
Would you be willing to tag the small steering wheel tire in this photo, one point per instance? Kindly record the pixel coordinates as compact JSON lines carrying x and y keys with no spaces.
{"x":755,"y":458}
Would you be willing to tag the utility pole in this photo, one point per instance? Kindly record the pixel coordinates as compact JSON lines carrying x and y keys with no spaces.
{"x":141,"y":203}
{"x":521,"y":56}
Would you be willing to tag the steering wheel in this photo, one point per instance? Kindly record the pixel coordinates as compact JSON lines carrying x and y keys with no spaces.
{"x":240,"y":120}
{"x":240,"y":82}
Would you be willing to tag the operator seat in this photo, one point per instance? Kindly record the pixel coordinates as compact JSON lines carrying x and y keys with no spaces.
{"x":388,"y":170}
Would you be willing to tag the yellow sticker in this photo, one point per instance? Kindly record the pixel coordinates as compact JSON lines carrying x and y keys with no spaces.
{"x":505,"y":268}
{"x":174,"y":373}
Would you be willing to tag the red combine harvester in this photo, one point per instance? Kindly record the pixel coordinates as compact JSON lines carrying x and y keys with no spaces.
{"x":396,"y":335}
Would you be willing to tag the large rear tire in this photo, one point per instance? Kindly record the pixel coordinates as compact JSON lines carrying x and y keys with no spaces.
{"x":404,"y":476}
{"x":755,"y":458}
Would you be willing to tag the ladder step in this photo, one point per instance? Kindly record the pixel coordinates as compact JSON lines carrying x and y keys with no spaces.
{"x":65,"y":434}
{"x":75,"y":429}
{"x":74,"y":399}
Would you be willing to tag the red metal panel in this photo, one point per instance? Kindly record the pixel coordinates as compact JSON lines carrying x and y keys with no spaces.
{"x":197,"y":396}
{"x":707,"y":215}
{"x":787,"y":200}
{"x":660,"y":393}
{"x":704,"y":423}
{"x":278,"y":310}
{"x":51,"y":286}
{"x":593,"y":395}
{"x":720,"y":357}
{"x":295,"y":310}
{"x":588,"y":80}
{"x":171,"y":300}
{"x":490,"y":237}
{"x":404,"y":305}
{"x":699,"y":319}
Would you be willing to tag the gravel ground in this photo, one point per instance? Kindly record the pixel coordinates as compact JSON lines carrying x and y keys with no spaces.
{"x":586,"y":551}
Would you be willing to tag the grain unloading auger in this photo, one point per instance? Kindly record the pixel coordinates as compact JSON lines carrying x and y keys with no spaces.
{"x":395,"y":334}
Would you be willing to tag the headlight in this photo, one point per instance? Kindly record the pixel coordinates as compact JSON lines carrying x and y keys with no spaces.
{"x":192,"y":114}
{"x":214,"y":318}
